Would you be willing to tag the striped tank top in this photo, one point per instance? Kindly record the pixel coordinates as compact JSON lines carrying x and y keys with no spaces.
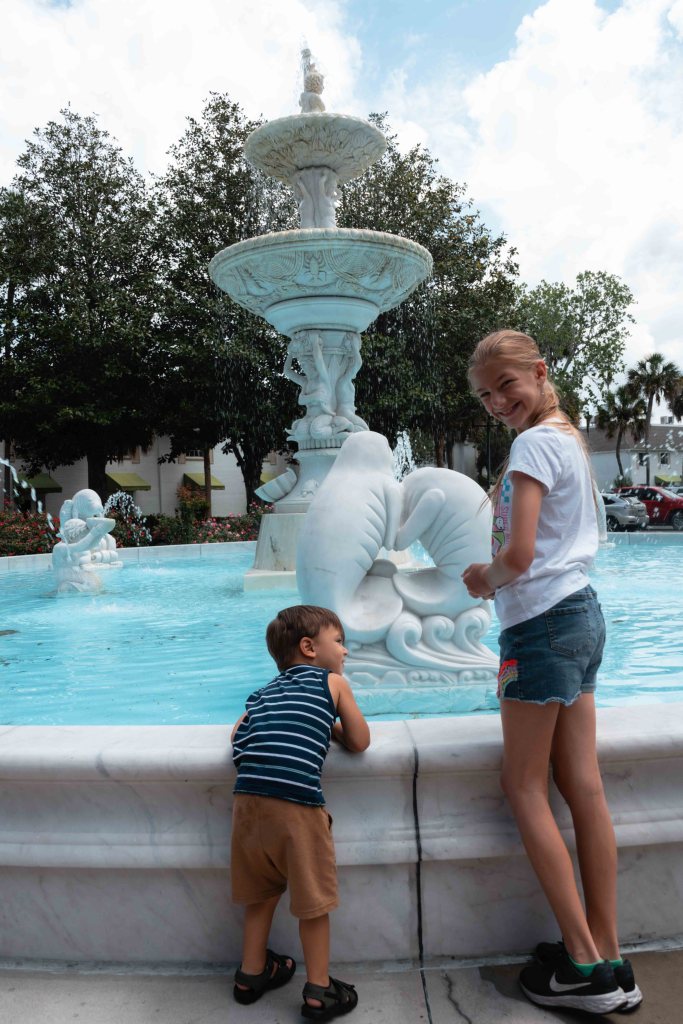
{"x":280,"y":747}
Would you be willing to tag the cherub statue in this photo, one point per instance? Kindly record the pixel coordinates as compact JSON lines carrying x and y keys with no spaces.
{"x":316,"y":388}
{"x":86,"y":545}
{"x":310,"y":100}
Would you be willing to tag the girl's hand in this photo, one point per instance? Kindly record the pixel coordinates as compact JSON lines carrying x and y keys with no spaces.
{"x":475,"y":580}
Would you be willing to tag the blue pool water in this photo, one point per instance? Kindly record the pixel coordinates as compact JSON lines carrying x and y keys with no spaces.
{"x":178,"y":642}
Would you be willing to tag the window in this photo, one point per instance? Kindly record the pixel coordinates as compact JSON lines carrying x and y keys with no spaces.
{"x":195,"y":453}
{"x":642,"y":458}
{"x":663,"y":458}
{"x":130,"y":456}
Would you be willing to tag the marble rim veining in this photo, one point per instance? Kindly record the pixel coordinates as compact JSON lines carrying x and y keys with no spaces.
{"x":310,"y":262}
{"x":347,"y":145}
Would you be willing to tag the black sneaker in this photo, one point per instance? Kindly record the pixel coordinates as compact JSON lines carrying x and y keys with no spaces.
{"x":548,"y":952}
{"x":559,"y":983}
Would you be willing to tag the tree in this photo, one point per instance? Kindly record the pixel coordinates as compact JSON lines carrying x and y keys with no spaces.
{"x":80,"y":368}
{"x":20,"y":262}
{"x":415,"y":357}
{"x":654,"y":379}
{"x":223,"y":379}
{"x":622,"y":411}
{"x":582,"y":333}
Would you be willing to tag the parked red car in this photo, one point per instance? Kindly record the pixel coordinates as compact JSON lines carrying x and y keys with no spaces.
{"x":663,"y":506}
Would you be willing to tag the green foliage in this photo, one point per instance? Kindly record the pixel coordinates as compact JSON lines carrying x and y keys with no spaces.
{"x":223,"y":375}
{"x":581,"y":332}
{"x":131,"y":530}
{"x":170,"y":529}
{"x":77,"y":292}
{"x":192,"y":504}
{"x":622,"y":412}
{"x":176,"y":530}
{"x":230,"y":528}
{"x":25,"y":533}
{"x":415,"y":357}
{"x":655,"y":379}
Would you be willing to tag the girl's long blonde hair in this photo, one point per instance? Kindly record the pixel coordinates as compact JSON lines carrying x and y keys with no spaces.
{"x":521,"y":351}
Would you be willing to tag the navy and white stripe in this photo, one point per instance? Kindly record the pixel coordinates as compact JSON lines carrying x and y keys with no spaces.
{"x":280,"y":747}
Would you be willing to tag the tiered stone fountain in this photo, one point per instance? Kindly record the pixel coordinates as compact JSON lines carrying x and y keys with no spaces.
{"x":321,"y":285}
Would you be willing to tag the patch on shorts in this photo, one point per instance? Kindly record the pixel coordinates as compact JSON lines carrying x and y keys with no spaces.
{"x":507,"y":673}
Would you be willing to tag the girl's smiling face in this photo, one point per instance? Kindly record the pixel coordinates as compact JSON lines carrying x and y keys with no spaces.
{"x":508,"y":393}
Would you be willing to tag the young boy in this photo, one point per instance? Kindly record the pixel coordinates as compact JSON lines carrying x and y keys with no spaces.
{"x":281,"y":832}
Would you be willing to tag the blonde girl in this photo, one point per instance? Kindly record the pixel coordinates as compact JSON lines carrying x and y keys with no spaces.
{"x":551,"y":642}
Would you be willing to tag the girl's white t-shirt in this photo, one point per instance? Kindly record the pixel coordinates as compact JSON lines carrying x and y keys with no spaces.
{"x":567,"y":533}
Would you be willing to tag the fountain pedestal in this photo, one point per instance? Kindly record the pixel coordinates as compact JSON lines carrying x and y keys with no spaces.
{"x":321,"y":286}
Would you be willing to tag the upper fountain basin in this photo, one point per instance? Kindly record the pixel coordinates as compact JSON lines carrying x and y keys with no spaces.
{"x":317,"y":277}
{"x":347,"y":145}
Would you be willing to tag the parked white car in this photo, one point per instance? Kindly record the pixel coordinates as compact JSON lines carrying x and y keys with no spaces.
{"x":624,"y":513}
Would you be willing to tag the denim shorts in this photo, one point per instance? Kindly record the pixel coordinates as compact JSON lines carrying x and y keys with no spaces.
{"x":556,"y":655}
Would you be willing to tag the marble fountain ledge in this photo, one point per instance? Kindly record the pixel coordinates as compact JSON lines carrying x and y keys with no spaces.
{"x":114,"y":840}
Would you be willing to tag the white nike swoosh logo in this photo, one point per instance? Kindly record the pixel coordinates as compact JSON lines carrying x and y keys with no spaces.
{"x":558,"y":986}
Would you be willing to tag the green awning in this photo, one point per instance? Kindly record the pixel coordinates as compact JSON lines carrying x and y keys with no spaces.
{"x":43,"y":482}
{"x":668,"y":478}
{"x":197,"y":480}
{"x":128,"y":481}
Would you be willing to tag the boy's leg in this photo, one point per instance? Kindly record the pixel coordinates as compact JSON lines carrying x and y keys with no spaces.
{"x":577,"y":776}
{"x":258,"y":918}
{"x":528,"y":734}
{"x":315,"y":941}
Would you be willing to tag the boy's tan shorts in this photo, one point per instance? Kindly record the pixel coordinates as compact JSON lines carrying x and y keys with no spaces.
{"x":278,"y":845}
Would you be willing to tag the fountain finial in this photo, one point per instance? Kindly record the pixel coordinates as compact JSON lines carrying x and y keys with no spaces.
{"x":310,"y":100}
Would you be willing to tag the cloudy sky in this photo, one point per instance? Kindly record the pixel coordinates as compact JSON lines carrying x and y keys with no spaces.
{"x":564,"y":118}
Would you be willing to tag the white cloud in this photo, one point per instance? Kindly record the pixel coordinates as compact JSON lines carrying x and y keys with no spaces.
{"x":145,"y":65}
{"x":574,"y":147}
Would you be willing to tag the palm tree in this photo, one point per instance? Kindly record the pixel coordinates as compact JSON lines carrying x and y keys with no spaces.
{"x":654,"y":379}
{"x":677,"y":400}
{"x":623,"y":410}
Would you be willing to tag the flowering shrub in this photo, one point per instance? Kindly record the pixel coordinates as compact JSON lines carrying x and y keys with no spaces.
{"x":170,"y":529}
{"x":131,"y":526}
{"x":26,"y":533}
{"x":192,"y":504}
{"x":177,"y":530}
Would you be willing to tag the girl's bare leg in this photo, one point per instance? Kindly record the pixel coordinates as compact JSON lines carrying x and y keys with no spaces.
{"x":577,"y":775}
{"x":528,"y":731}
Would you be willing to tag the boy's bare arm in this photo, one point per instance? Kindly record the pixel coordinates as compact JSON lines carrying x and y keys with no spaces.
{"x":236,"y":726}
{"x":351,"y":729}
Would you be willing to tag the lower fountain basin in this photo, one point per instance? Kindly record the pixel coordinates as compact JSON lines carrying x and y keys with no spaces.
{"x":115,"y":841}
{"x":318,"y":277}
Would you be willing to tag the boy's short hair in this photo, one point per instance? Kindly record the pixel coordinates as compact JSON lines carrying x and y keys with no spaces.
{"x":291,"y":625}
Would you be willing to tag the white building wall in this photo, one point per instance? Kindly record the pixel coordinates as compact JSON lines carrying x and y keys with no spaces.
{"x":164,"y":481}
{"x":606,"y":468}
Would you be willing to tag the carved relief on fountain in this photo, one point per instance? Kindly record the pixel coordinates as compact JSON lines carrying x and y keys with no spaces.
{"x":373,"y":266}
{"x":344,"y":144}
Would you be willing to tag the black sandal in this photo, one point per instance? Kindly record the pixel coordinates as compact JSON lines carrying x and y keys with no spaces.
{"x":338,"y":998}
{"x":259,"y":984}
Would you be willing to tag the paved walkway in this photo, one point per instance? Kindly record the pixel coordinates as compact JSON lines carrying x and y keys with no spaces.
{"x":394,"y":994}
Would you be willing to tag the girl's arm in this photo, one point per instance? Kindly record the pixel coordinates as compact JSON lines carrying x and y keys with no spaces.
{"x":518,"y":554}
